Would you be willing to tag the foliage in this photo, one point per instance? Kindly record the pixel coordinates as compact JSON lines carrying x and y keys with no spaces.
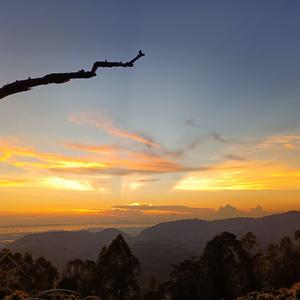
{"x":155,"y":290}
{"x":279,"y":266}
{"x":17,"y":295}
{"x":186,"y":281}
{"x":22,"y":272}
{"x":117,"y":272}
{"x":229,"y":268}
{"x":292,"y":293}
{"x":79,"y":276}
{"x":224,"y":271}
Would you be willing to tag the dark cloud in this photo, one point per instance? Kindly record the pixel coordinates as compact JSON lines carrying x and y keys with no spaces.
{"x":125,"y":171}
{"x":192,"y":123}
{"x":212,"y":134}
{"x":223,"y":212}
{"x":148,"y":180}
{"x":235,"y":157}
{"x":171,"y":208}
{"x":219,"y":138}
{"x":192,"y":145}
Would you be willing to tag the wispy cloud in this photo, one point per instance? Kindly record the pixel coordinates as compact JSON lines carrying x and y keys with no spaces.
{"x":235,"y":157}
{"x":226,"y":211}
{"x":218,"y":137}
{"x":148,"y":180}
{"x":166,"y":208}
{"x":99,"y":149}
{"x":286,"y":141}
{"x":239,"y":175}
{"x":102,"y":121}
{"x":125,"y":214}
{"x":192,"y":123}
{"x":14,"y":182}
{"x":106,"y":159}
{"x":50,"y":182}
{"x":211,"y":135}
{"x":255,"y":169}
{"x":186,"y":149}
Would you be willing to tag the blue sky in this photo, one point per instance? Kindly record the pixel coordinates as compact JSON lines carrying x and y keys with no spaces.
{"x":225,"y":67}
{"x":218,"y":62}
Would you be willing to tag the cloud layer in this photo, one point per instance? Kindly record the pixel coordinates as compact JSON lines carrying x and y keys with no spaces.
{"x":102,"y":121}
{"x":78,"y":165}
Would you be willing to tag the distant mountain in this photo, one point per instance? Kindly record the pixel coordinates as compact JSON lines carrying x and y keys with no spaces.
{"x":196,"y":233}
{"x":160,"y":246}
{"x":62,"y":246}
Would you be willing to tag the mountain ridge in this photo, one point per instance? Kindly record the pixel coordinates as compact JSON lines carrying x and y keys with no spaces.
{"x":159,"y":246}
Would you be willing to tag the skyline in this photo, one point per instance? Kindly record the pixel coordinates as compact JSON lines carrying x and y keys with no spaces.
{"x":209,"y":117}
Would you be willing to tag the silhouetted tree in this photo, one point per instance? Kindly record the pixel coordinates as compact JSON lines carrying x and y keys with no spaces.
{"x":288,"y":264}
{"x":249,"y":242}
{"x":118,"y":270}
{"x":226,"y":267}
{"x":79,"y":276}
{"x":186,"y":280}
{"x":43,"y":275}
{"x":279,"y":266}
{"x":224,"y":271}
{"x":57,"y":78}
{"x":22,"y":272}
{"x":17,"y":295}
{"x":155,"y":290}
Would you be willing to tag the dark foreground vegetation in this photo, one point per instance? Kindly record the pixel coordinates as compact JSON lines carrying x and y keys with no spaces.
{"x":227,"y":269}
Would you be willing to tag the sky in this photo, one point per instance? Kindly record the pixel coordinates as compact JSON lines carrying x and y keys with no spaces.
{"x":205,"y":125}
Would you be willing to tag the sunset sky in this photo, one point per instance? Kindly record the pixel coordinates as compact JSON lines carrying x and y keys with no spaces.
{"x":209,"y":117}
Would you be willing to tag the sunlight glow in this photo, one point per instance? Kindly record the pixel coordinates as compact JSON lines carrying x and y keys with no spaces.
{"x":248,"y":176}
{"x":61,"y":183}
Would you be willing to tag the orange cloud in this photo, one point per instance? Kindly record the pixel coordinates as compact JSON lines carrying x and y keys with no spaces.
{"x":289,"y":141}
{"x":14,"y":182}
{"x":99,"y":149}
{"x":50,"y":182}
{"x":24,"y":156}
{"x":257,"y":172}
{"x":101,"y":121}
{"x":122,"y":161}
{"x":119,"y":161}
{"x":255,"y":175}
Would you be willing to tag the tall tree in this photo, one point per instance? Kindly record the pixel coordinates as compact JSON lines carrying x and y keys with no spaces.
{"x":297,"y":235}
{"x":186,"y":280}
{"x":155,"y":290}
{"x":227,"y":268}
{"x":118,"y":270}
{"x":249,"y":242}
{"x":79,"y":276}
{"x":224,"y":271}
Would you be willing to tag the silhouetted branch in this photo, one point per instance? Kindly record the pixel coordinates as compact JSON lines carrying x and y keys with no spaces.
{"x":57,"y":78}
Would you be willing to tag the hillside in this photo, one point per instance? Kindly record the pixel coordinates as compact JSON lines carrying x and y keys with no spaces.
{"x":195,"y":233}
{"x":62,"y":246}
{"x":160,"y":246}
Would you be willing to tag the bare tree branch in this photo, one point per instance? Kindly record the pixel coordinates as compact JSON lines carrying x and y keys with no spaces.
{"x":57,"y":78}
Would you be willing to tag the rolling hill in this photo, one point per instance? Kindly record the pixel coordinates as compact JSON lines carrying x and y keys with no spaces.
{"x":159,"y":246}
